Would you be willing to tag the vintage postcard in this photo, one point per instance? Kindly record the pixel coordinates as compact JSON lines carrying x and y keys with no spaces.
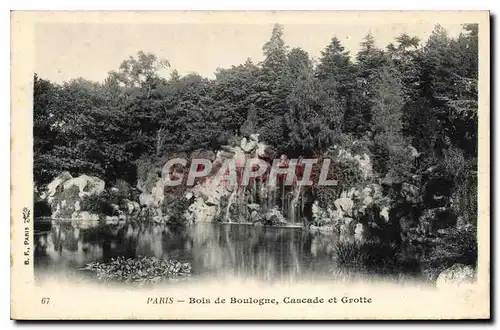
{"x":250,"y":165}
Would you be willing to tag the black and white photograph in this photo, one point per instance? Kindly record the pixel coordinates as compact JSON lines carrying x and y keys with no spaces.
{"x":278,"y":152}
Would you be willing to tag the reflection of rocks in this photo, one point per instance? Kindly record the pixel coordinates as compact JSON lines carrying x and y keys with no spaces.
{"x":111,"y":220}
{"x":225,"y":250}
{"x":456,"y":275}
{"x":133,"y":208}
{"x":347,"y":229}
{"x":85,"y":216}
{"x":84,"y":224}
{"x":322,"y":244}
{"x":322,"y":229}
{"x":360,"y":232}
{"x":346,"y":233}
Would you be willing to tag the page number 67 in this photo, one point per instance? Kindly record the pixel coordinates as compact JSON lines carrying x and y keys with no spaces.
{"x":45,"y":300}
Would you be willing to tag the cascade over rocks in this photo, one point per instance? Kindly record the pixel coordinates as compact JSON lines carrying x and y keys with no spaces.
{"x":363,"y":208}
{"x":215,"y":200}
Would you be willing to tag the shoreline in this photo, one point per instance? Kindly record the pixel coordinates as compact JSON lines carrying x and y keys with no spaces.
{"x":68,"y":220}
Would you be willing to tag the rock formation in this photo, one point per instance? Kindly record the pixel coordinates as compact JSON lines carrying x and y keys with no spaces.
{"x":66,"y":194}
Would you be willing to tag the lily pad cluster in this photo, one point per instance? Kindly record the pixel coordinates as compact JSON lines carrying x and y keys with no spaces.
{"x":139,"y":270}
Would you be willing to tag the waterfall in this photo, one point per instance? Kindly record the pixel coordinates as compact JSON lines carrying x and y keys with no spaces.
{"x":283,"y":197}
{"x":294,"y":207}
{"x":279,"y":201}
{"x":229,"y":203}
{"x":242,"y":203}
{"x":272,"y":201}
{"x":253,"y":192}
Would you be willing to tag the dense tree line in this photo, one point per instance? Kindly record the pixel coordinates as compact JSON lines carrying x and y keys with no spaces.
{"x":411,"y":92}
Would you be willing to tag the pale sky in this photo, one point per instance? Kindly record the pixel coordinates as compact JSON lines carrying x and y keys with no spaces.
{"x":89,"y":50}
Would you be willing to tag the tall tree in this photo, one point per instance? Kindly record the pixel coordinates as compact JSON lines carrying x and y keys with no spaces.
{"x":273,"y":86}
{"x":45,"y":128}
{"x":336,"y":74}
{"x":302,"y":120}
{"x":369,"y":60}
{"x":233,"y":94}
{"x":141,"y":71}
{"x":275,"y":51}
{"x":387,"y":101}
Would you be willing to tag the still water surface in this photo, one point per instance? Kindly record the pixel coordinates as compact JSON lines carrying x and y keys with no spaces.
{"x":213,"y":249}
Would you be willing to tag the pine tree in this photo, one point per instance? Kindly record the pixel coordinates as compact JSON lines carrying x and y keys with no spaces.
{"x":275,"y":51}
{"x":336,"y":74}
{"x":387,"y":102}
{"x":335,"y":62}
{"x":369,"y":60}
{"x":273,"y":87}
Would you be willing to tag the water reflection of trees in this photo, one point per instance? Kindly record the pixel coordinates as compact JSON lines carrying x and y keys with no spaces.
{"x":239,"y":250}
{"x":266,"y":253}
{"x":65,"y":246}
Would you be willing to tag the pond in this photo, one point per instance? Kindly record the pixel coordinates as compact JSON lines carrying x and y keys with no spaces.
{"x":214,"y":249}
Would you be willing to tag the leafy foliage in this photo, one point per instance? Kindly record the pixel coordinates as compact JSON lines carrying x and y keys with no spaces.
{"x":359,"y":259}
{"x":175,"y":207}
{"x":422,"y":93}
{"x":100,"y":204}
{"x":146,"y":174}
{"x":456,"y":245}
{"x":376,"y":102}
{"x":141,"y":270}
{"x":368,"y":257}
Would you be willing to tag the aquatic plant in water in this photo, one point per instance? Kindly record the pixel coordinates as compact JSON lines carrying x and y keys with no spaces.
{"x":139,"y":270}
{"x":370,"y":256}
{"x":361,"y":259}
